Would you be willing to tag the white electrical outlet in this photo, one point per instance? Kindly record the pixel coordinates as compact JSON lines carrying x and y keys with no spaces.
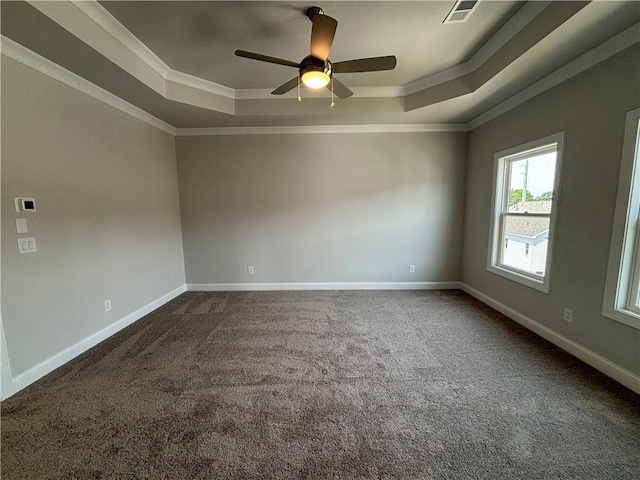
{"x":568,"y":315}
{"x":250,"y":271}
{"x":107,"y":305}
{"x":412,"y":269}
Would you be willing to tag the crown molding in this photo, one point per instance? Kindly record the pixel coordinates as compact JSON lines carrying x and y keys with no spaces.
{"x":315,"y":129}
{"x":520,"y":20}
{"x":359,"y":92}
{"x":129,"y":46}
{"x":100,"y":16}
{"x":113,"y":27}
{"x":26,"y":57}
{"x":132,"y":45}
{"x":377,"y":92}
{"x":514,"y":25}
{"x":200,"y":84}
{"x":614,"y":45}
{"x":93,"y":24}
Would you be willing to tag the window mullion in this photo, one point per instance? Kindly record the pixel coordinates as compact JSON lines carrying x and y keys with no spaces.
{"x":521,"y":214}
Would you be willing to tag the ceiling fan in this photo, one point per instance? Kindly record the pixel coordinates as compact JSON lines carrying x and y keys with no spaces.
{"x":315,"y":70}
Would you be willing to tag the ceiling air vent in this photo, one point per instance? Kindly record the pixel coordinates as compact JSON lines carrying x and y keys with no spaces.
{"x":461,"y":11}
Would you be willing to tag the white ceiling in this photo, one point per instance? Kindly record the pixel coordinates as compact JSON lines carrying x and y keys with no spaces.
{"x":175,"y":59}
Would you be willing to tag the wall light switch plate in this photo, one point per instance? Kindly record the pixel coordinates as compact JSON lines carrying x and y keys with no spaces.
{"x":27,"y":245}
{"x":21,"y":225}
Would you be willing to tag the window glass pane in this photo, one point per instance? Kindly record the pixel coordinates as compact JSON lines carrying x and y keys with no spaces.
{"x":531,"y":180}
{"x":525,"y":242}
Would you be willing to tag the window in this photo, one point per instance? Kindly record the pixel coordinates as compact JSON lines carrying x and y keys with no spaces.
{"x":525,"y":192}
{"x":622,"y":288}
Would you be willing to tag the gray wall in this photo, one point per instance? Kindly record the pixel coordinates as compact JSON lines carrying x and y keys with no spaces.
{"x":591,"y":109}
{"x":107,"y":224}
{"x":323,"y":207}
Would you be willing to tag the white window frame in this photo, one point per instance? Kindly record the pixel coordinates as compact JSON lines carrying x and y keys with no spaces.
{"x":500,"y":196}
{"x":624,"y":255}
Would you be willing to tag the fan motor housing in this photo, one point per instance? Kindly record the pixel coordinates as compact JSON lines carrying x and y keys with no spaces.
{"x":313,"y":11}
{"x":313,"y":64}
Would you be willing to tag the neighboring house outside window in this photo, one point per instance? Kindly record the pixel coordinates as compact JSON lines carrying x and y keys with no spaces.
{"x":527,"y":238}
{"x":526,"y":182}
{"x":622,"y":288}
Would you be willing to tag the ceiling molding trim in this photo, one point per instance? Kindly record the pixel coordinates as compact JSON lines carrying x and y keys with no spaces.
{"x":101,"y":17}
{"x":117,"y":30}
{"x":30,"y":59}
{"x":611,"y":47}
{"x":377,"y":92}
{"x":129,"y":47}
{"x":520,"y":20}
{"x":256,"y":94}
{"x":315,"y":129}
{"x":361,"y":92}
{"x":200,"y":84}
{"x":514,"y":25}
{"x":113,"y":27}
{"x":68,"y":16}
{"x":131,"y":44}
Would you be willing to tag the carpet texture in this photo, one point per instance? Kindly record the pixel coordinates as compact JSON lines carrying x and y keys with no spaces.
{"x":335,"y":385}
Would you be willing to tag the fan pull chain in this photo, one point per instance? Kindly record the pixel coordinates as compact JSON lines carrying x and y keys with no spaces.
{"x":299,"y":97}
{"x":332,"y":103}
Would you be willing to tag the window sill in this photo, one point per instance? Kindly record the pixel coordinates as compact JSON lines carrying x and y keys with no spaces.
{"x":627,"y":317}
{"x":540,"y":285}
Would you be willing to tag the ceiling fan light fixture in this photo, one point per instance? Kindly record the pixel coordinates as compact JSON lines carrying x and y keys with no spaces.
{"x":315,"y":79}
{"x":315,"y":70}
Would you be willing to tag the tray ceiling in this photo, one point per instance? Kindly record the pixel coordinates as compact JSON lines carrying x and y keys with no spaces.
{"x":175,"y":60}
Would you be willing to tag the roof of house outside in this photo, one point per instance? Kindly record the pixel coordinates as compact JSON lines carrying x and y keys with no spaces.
{"x":541,"y":206}
{"x":528,"y":226}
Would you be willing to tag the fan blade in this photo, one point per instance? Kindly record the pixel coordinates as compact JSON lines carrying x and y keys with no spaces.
{"x":322,"y":33}
{"x":339,"y":88}
{"x":374,"y":64}
{"x":285,"y":87}
{"x":266,"y":58}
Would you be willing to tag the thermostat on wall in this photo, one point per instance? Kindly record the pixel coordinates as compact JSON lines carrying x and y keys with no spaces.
{"x":25,"y":204}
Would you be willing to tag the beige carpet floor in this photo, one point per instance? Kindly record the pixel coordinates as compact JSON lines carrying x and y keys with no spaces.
{"x":331,"y":385}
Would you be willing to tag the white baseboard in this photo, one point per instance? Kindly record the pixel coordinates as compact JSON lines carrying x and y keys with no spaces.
{"x":597,"y":361}
{"x":28,"y":377}
{"x":248,"y":287}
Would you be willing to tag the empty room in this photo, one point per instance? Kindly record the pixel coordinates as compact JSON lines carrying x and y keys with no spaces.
{"x":333,"y":240}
